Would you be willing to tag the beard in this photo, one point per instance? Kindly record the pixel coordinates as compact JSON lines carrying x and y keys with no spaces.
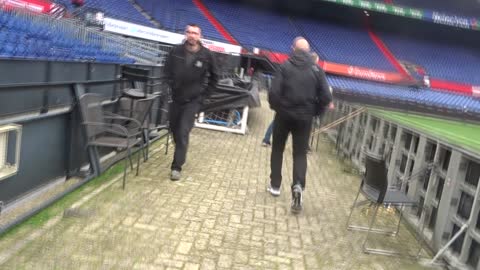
{"x":192,"y":42}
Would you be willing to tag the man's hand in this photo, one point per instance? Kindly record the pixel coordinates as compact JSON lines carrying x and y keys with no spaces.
{"x":331,"y":106}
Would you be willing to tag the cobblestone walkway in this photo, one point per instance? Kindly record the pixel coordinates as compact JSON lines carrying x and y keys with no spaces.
{"x":219,"y":216}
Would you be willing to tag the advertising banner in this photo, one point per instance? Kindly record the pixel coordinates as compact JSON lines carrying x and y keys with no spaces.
{"x":432,"y":16}
{"x":149,"y":33}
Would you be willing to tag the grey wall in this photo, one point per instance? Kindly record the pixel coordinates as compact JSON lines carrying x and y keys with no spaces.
{"x":52,"y":142}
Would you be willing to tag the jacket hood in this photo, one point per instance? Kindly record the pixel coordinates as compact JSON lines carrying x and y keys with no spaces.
{"x":301,"y":59}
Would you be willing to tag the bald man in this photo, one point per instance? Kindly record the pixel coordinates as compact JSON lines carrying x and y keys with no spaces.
{"x":299,"y":92}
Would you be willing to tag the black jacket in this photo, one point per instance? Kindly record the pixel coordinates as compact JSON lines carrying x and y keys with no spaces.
{"x":300,"y":89}
{"x":193,"y":81}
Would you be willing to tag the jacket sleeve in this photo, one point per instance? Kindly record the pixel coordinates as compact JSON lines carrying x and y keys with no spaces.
{"x":168,"y":68}
{"x":275,"y":92}
{"x":323,"y":89}
{"x":213,"y":74}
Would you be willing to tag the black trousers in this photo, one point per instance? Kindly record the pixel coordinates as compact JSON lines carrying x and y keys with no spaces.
{"x":182,"y":119}
{"x":282,"y":126}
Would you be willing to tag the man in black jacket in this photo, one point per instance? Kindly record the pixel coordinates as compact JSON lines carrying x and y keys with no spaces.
{"x":300,"y":91}
{"x":191,"y":71}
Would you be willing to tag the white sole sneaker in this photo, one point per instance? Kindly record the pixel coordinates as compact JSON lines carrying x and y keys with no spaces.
{"x":274,"y":191}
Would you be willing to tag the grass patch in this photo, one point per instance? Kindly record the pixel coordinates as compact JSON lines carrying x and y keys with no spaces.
{"x":458,"y":133}
{"x":57,"y":208}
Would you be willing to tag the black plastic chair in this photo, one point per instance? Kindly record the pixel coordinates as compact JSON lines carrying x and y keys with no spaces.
{"x":139,"y":85}
{"x":105,"y":129}
{"x":376,"y":190}
{"x":138,"y":109}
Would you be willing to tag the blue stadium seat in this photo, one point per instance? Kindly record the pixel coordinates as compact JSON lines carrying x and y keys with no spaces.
{"x":269,"y":30}
{"x":173,"y":15}
{"x":22,"y":38}
{"x":345,"y":44}
{"x":117,"y":9}
{"x":421,"y":97}
{"x":440,"y":60}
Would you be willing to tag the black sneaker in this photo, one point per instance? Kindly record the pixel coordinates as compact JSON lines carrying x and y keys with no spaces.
{"x":297,"y":199}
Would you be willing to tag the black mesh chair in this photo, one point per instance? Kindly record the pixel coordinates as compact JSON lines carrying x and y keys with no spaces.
{"x":375,"y":188}
{"x":104,"y":129}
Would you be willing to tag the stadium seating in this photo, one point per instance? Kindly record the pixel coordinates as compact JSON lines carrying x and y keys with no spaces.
{"x":266,"y":29}
{"x":421,"y":97}
{"x":117,"y":9}
{"x":254,"y":27}
{"x":440,"y":60}
{"x":24,"y":38}
{"x":173,"y":15}
{"x":344,"y":44}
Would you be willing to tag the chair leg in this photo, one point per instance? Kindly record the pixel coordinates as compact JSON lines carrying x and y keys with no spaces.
{"x":352,"y":208}
{"x":370,"y":226}
{"x":147,"y":140}
{"x":125,"y":173}
{"x":147,"y":150}
{"x":131,"y":162}
{"x":138,"y":159}
{"x":384,"y":251}
{"x":399,"y":221}
{"x":168,"y":140}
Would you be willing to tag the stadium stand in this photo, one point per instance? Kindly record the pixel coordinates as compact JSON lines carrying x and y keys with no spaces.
{"x":413,"y":96}
{"x":26,"y":38}
{"x":266,"y":29}
{"x":173,"y":15}
{"x":344,"y":44}
{"x":254,"y":27}
{"x":440,"y":60}
{"x":117,"y":9}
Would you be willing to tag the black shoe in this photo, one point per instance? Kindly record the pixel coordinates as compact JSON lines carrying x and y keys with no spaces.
{"x":297,"y":199}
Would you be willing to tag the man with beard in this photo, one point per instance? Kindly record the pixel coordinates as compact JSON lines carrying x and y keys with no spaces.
{"x":190,"y":71}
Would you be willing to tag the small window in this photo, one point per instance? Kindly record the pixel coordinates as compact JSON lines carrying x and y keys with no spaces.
{"x":10,"y":138}
{"x":433,"y":219}
{"x":465,"y":206}
{"x":374,"y":124}
{"x":382,"y":149}
{"x":430,"y":151}
{"x":446,"y":160}
{"x":441,"y":183}
{"x":416,"y":141}
{"x":385,"y":130}
{"x":474,"y":255}
{"x":473,"y":173}
{"x":426,"y":178}
{"x":419,"y":208}
{"x":393,"y":133}
{"x":458,"y":243}
{"x":412,"y":165}
{"x":408,"y":141}
{"x":403,"y":164}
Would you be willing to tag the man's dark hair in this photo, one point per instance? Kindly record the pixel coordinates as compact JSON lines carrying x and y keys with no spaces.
{"x":194,"y":25}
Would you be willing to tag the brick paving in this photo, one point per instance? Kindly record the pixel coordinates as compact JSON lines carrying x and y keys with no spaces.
{"x":219,"y":216}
